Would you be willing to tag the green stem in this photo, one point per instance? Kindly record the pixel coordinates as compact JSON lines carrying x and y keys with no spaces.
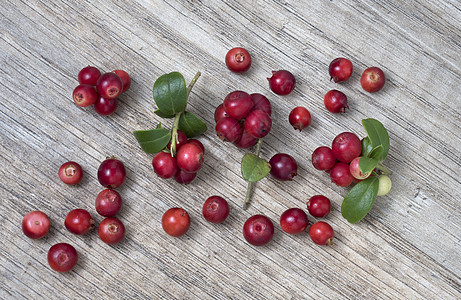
{"x":191,"y":84}
{"x":251,"y":184}
{"x":384,"y":170}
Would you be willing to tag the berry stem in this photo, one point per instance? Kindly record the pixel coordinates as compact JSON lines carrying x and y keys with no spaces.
{"x":251,"y":184}
{"x":191,"y":84}
{"x":384,"y":170}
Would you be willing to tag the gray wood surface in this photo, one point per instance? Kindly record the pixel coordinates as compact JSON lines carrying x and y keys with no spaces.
{"x":408,"y":247}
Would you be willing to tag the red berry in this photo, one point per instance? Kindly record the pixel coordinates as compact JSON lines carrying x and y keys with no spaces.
{"x":111,"y":230}
{"x":340,"y":174}
{"x":108,"y":203}
{"x":105,"y":107}
{"x":181,"y":139}
{"x":215,"y":209}
{"x":340,"y":69}
{"x":79,"y":221}
{"x":228,"y":129}
{"x":283,"y":167}
{"x":299,"y":118}
{"x":189,"y":158}
{"x":62,"y":257}
{"x":111,"y":173}
{"x":219,"y":113}
{"x":294,"y":221}
{"x":84,"y":95}
{"x":35,"y":224}
{"x":335,"y":101}
{"x":319,"y":206}
{"x":175,"y":221}
{"x":126,"y":80}
{"x":238,"y":60}
{"x":258,"y":124}
{"x":184,"y":177}
{"x":323,"y":158}
{"x":261,"y":103}
{"x":238,"y":104}
{"x":109,"y":85}
{"x":258,"y":230}
{"x":197,"y":143}
{"x":321,"y":233}
{"x":70,"y":173}
{"x":346,"y":146}
{"x":164,"y":165}
{"x":89,"y":75}
{"x":246,"y":141}
{"x":354,"y":168}
{"x":372,"y":79}
{"x":282,"y":82}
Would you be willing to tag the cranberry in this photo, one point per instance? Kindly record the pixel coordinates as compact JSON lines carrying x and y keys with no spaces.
{"x":294,"y":221}
{"x":89,"y":75}
{"x":319,"y":206}
{"x":355,"y":169}
{"x":62,"y":257}
{"x":321,"y":233}
{"x":79,"y":221}
{"x":219,"y":113}
{"x":105,"y":107}
{"x":111,"y":173}
{"x":340,"y":174}
{"x":385,"y":185}
{"x":372,"y":79}
{"x":261,"y":103}
{"x":184,"y":177}
{"x":35,"y":224}
{"x":323,"y":158}
{"x":181,"y":139}
{"x":299,"y":118}
{"x":175,"y":221}
{"x":229,"y":129}
{"x":108,"y":203}
{"x":126,"y":80}
{"x":258,"y":230}
{"x":197,"y":143}
{"x":283,"y":166}
{"x":238,"y":60}
{"x":111,"y":230}
{"x":282,"y":82}
{"x":340,"y":69}
{"x":346,"y":146}
{"x":109,"y":85}
{"x":335,"y":101}
{"x":238,"y":104}
{"x":246,"y":141}
{"x":189,"y":158}
{"x":84,"y":95}
{"x":215,"y":209}
{"x":258,"y":124}
{"x":164,"y":165}
{"x":70,"y":173}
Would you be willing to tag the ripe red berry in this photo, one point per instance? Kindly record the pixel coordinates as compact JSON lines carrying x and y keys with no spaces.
{"x":283,"y":167}
{"x":238,"y":60}
{"x":70,"y":173}
{"x":340,"y":69}
{"x":258,"y":124}
{"x":181,"y":139}
{"x":89,"y":75}
{"x":246,"y":141}
{"x":175,"y":221}
{"x":346,"y":146}
{"x":84,"y":95}
{"x":215,"y":209}
{"x":108,"y":203}
{"x":35,"y":224}
{"x":105,"y":107}
{"x":299,"y":118}
{"x":189,"y":158}
{"x":184,"y":177}
{"x":354,"y":168}
{"x":219,"y":113}
{"x":229,"y":129}
{"x":109,"y":85}
{"x":238,"y":104}
{"x":340,"y":174}
{"x":372,"y":79}
{"x":282,"y":82}
{"x":294,"y":221}
{"x":111,"y":173}
{"x":111,"y":230}
{"x":335,"y":101}
{"x":79,"y":221}
{"x":321,"y":233}
{"x":164,"y":165}
{"x":258,"y":230}
{"x":261,"y":103}
{"x":126,"y":80}
{"x":323,"y":158}
{"x":197,"y":143}
{"x":62,"y":257}
{"x":319,"y":206}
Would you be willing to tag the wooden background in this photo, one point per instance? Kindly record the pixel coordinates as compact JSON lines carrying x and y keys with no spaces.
{"x":407,"y":247}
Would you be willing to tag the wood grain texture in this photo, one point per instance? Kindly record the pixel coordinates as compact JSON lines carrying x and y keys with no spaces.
{"x":408,"y":247}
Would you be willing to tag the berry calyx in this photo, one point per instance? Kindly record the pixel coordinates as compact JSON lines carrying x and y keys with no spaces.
{"x":299,"y":118}
{"x":111,"y":173}
{"x":258,"y":230}
{"x":108,"y":203}
{"x":341,"y":175}
{"x":70,"y":173}
{"x":294,"y":221}
{"x":238,"y":60}
{"x":111,"y":230}
{"x":189,"y":158}
{"x":346,"y":146}
{"x":372,"y":79}
{"x":89,"y":75}
{"x":319,"y":206}
{"x":335,"y":101}
{"x":323,"y":158}
{"x":321,"y":233}
{"x":35,"y":224}
{"x":62,"y":257}
{"x":109,"y":85}
{"x":282,"y":82}
{"x":175,"y":221}
{"x":215,"y":209}
{"x":164,"y":165}
{"x":84,"y":95}
{"x":283,"y":167}
{"x":258,"y":124}
{"x":238,"y":104}
{"x":340,"y":69}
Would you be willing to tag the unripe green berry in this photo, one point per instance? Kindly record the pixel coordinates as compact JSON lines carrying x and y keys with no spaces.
{"x":385,"y":185}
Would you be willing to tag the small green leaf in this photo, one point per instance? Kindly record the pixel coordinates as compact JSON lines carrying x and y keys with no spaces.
{"x":377,"y":152}
{"x":254,"y":168}
{"x":366,"y":146}
{"x":170,"y":93}
{"x":154,"y":140}
{"x":378,"y":135}
{"x":159,"y":113}
{"x":360,"y":199}
{"x":367,"y":164}
{"x":191,"y":125}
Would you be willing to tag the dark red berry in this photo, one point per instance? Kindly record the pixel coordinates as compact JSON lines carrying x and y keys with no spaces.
{"x":79,"y":221}
{"x":84,"y":95}
{"x":109,"y":85}
{"x":175,"y":221}
{"x":340,"y":69}
{"x":321,"y":233}
{"x":283,"y":167}
{"x":258,"y":124}
{"x":111,"y":230}
{"x":261,"y":103}
{"x":335,"y":101}
{"x":189,"y":158}
{"x":258,"y":230}
{"x":164,"y":165}
{"x":294,"y":221}
{"x":111,"y":173}
{"x":89,"y":75}
{"x":346,"y":146}
{"x":229,"y":129}
{"x":238,"y":60}
{"x":70,"y":173}
{"x":238,"y":104}
{"x":219,"y":113}
{"x":340,"y":174}
{"x":282,"y":82}
{"x":35,"y":224}
{"x":215,"y":209}
{"x":62,"y":257}
{"x":197,"y":143}
{"x":108,"y":203}
{"x":299,"y":118}
{"x":181,"y":139}
{"x":319,"y":206}
{"x":372,"y":79}
{"x":126,"y":80}
{"x":184,"y":177}
{"x":246,"y":141}
{"x":105,"y":107}
{"x":323,"y":158}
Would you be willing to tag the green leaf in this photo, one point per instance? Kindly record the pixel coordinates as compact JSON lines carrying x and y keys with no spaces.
{"x":366,"y":146}
{"x":377,"y":152}
{"x":378,"y":135}
{"x":154,"y":140}
{"x":367,"y":164}
{"x":360,"y":199}
{"x":159,"y":113}
{"x":254,"y":168}
{"x":191,"y":125}
{"x":170,"y":93}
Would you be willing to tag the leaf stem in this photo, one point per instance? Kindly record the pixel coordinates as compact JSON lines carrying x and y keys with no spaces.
{"x":251,"y":184}
{"x":384,"y":170}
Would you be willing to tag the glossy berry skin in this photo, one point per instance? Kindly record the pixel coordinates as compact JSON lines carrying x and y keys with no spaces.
{"x":219,"y":113}
{"x":282,"y":82}
{"x":229,"y":129}
{"x":184,"y":177}
{"x":197,"y":143}
{"x":109,"y":85}
{"x":261,"y":103}
{"x":215,"y":209}
{"x":181,"y":139}
{"x":105,"y":107}
{"x":340,"y":174}
{"x":335,"y":101}
{"x":323,"y":158}
{"x":246,"y":141}
{"x":294,"y":221}
{"x":35,"y":224}
{"x":283,"y":167}
{"x":79,"y":221}
{"x":111,"y":230}
{"x":62,"y":257}
{"x":189,"y":158}
{"x":175,"y":221}
{"x":258,"y":230}
{"x":321,"y":233}
{"x":354,"y":168}
{"x":258,"y":124}
{"x":111,"y":173}
{"x":89,"y":75}
{"x":164,"y":165}
{"x":238,"y":104}
{"x":238,"y":60}
{"x":70,"y":173}
{"x":126,"y":80}
{"x":319,"y":206}
{"x":346,"y":146}
{"x":108,"y":203}
{"x":372,"y":79}
{"x":299,"y":118}
{"x":340,"y":69}
{"x":84,"y":95}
